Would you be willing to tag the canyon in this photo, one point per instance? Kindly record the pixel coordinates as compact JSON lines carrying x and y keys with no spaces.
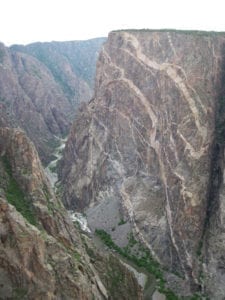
{"x":41,"y":86}
{"x":136,"y":209}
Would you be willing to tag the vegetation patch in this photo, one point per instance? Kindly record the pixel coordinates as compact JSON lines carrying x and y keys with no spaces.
{"x":53,"y":168}
{"x":19,"y":293}
{"x":199,"y":249}
{"x":50,"y":205}
{"x":115,"y":277}
{"x":144,"y":260}
{"x":122,"y":222}
{"x":197,"y":297}
{"x":16,"y":197}
{"x":53,"y":143}
{"x":36,"y":72}
{"x":77,"y":256}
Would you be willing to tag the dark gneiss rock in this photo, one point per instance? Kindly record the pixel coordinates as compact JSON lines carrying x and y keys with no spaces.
{"x":41,"y":86}
{"x":146,"y":141}
{"x":42,"y":253}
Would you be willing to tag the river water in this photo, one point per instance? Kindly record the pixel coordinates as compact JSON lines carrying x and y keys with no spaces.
{"x":50,"y":170}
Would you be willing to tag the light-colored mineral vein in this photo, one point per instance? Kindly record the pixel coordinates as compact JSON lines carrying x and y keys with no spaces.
{"x":154,"y":144}
{"x":92,"y":161}
{"x":129,"y":208}
{"x":169,"y":211}
{"x":127,"y":203}
{"x":171,"y":71}
{"x":171,"y":44}
{"x":135,"y":89}
{"x":188,"y":146}
{"x":173,"y":147}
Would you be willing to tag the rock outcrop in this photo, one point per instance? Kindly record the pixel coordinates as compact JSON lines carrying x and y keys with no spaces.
{"x":147,"y":147}
{"x":42,"y":253}
{"x":41,"y":86}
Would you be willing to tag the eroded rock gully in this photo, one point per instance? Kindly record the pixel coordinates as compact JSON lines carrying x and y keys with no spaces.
{"x":145,"y":148}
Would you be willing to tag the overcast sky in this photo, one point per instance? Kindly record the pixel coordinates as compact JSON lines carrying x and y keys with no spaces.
{"x":26,"y":21}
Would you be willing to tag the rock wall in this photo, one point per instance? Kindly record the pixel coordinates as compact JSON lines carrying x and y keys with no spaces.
{"x":42,"y":253}
{"x":71,"y":63}
{"x":41,"y":86}
{"x":146,"y":142}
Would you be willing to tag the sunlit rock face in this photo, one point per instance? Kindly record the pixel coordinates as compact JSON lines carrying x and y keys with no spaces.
{"x":146,"y":141}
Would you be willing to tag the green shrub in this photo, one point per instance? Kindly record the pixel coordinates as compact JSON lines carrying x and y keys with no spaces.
{"x":16,"y":197}
{"x":19,"y":293}
{"x":121,"y":222}
{"x":145,"y":261}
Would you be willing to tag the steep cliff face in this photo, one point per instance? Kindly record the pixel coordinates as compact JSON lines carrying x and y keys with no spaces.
{"x":40,"y":88}
{"x":30,"y":99}
{"x":143,"y":147}
{"x":42,"y":254}
{"x":213,"y":246}
{"x":71,"y":63}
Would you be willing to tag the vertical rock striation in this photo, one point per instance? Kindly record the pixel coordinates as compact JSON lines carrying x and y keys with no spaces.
{"x":71,"y":63}
{"x":32,"y":100}
{"x":41,"y":86}
{"x":147,"y":140}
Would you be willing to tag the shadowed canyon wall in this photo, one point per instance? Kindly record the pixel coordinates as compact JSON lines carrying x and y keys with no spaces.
{"x":42,"y":253}
{"x":42,"y":84}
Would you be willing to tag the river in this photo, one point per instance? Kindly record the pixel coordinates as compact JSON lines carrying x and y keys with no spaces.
{"x":51,"y":169}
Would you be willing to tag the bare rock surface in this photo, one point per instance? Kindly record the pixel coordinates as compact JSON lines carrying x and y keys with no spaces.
{"x":42,"y":253}
{"x":41,"y":86}
{"x":147,"y":142}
